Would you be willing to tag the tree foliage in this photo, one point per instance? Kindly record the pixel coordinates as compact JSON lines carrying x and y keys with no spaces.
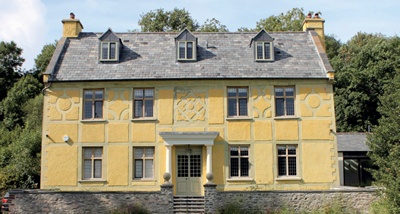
{"x":213,"y":25}
{"x":385,"y":146}
{"x":10,"y":66}
{"x":43,"y":59}
{"x":164,"y":21}
{"x":364,"y":65}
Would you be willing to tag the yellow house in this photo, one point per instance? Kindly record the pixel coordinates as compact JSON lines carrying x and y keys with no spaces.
{"x":244,"y":111}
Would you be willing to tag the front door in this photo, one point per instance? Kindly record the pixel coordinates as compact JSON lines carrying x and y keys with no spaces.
{"x":188,"y":170}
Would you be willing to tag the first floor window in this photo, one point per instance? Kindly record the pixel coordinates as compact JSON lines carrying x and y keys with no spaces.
{"x":237,"y":101}
{"x":143,"y":101}
{"x":284,"y":101}
{"x":92,"y":162}
{"x":143,"y":162}
{"x":239,"y":161}
{"x":93,"y":104}
{"x":287,"y":160}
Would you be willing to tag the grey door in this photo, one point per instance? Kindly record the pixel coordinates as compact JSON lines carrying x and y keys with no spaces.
{"x":189,"y":169}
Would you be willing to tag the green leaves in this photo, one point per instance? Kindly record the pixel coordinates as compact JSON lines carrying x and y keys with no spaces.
{"x":292,"y":20}
{"x":165,"y":21}
{"x":10,"y":66}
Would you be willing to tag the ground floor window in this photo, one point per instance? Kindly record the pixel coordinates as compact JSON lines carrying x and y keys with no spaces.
{"x":287,"y":160}
{"x":239,"y":161}
{"x":92,"y":162}
{"x":143,"y":162}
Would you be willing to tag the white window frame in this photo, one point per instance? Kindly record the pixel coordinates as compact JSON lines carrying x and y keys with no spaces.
{"x":271,"y":51}
{"x":237,"y":98}
{"x":93,"y":159}
{"x":286,"y":156}
{"x":109,"y":51}
{"x":239,"y":161}
{"x":143,"y":158}
{"x":285,"y":97}
{"x":186,"y":50}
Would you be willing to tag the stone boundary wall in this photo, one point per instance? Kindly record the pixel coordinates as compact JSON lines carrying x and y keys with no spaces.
{"x":89,"y":202}
{"x":39,"y":201}
{"x":268,"y":201}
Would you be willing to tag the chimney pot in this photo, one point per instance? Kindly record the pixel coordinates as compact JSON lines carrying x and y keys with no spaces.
{"x":72,"y":15}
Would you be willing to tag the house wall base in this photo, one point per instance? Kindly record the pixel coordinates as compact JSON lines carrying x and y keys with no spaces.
{"x":34,"y":201}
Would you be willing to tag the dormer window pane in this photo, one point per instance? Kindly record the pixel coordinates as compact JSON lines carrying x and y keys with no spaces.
{"x":181,"y":50}
{"x":259,"y":50}
{"x":112,"y":50}
{"x":189,"y":50}
{"x":104,"y":51}
{"x":263,"y":51}
{"x":267,"y":50}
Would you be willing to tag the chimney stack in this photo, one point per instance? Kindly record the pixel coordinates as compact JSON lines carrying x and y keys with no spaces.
{"x":317,"y":24}
{"x":71,"y":27}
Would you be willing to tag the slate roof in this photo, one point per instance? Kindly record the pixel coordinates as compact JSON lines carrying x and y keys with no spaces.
{"x":352,"y":142}
{"x":220,"y":55}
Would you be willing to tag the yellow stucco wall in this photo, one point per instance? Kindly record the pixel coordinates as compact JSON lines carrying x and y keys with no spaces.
{"x":194,"y":106}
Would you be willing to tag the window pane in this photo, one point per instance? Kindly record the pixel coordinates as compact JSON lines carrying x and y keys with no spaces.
{"x":244,"y":167}
{"x":98,"y":94}
{"x":138,"y":153}
{"x":87,"y":169}
{"x":279,"y":102}
{"x":232,"y":109}
{"x":289,"y":91}
{"x":148,"y":109}
{"x":267,"y":50}
{"x":138,"y":93}
{"x":242,"y":107}
{"x":149,"y":93}
{"x":149,"y":168}
{"x":234,"y":167}
{"x":98,"y":152}
{"x":149,"y":152}
{"x":281,"y":150}
{"x":113,"y":50}
{"x":98,"y":109}
{"x":87,"y":153}
{"x":292,"y":165}
{"x":87,"y":108}
{"x":97,"y":168}
{"x":231,"y":92}
{"x":242,"y":92}
{"x":181,"y":50}
{"x":289,"y":106}
{"x":138,"y":169}
{"x":291,"y":150}
{"x":104,"y":50}
{"x":235,"y":151}
{"x":281,"y":165}
{"x":88,"y":94}
{"x":278,"y":91}
{"x":183,"y":166}
{"x":138,"y":108}
{"x":259,"y":51}
{"x":189,"y":50}
{"x":195,"y":166}
{"x":244,"y":151}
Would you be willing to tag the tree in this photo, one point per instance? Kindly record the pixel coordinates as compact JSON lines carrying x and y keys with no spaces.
{"x":43,"y":59}
{"x":364,"y":65}
{"x":291,"y":21}
{"x":11,"y":107}
{"x":213,"y":25}
{"x":385,"y":146}
{"x":332,"y":46}
{"x":10,"y":66}
{"x":165,"y":21}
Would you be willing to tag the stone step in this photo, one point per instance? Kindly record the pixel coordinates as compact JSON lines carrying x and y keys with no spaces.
{"x":188,"y":204}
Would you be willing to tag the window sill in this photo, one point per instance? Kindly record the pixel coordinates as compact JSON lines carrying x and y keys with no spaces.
{"x":144,"y":180}
{"x":240,"y":179}
{"x":94,"y":121}
{"x":238,"y":118}
{"x":93,"y":181}
{"x":288,"y":178}
{"x":144,"y":119}
{"x":287,"y":118}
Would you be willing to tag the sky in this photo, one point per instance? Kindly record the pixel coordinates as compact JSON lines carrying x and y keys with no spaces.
{"x":35,"y":23}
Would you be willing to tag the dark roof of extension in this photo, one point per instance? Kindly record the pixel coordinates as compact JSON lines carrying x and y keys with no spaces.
{"x":147,"y":56}
{"x":352,"y":142}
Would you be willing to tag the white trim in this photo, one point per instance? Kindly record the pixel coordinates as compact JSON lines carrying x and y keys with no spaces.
{"x":189,"y":138}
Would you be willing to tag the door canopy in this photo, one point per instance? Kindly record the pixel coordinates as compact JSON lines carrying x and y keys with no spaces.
{"x":189,"y":138}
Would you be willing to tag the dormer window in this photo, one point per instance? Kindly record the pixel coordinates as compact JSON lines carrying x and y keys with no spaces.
{"x":186,"y":51}
{"x":264,"y":51}
{"x":109,"y":51}
{"x":263,"y":47}
{"x":110,"y":46}
{"x":186,"y":46}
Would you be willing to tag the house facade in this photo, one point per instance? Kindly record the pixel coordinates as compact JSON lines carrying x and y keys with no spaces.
{"x":243,"y":111}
